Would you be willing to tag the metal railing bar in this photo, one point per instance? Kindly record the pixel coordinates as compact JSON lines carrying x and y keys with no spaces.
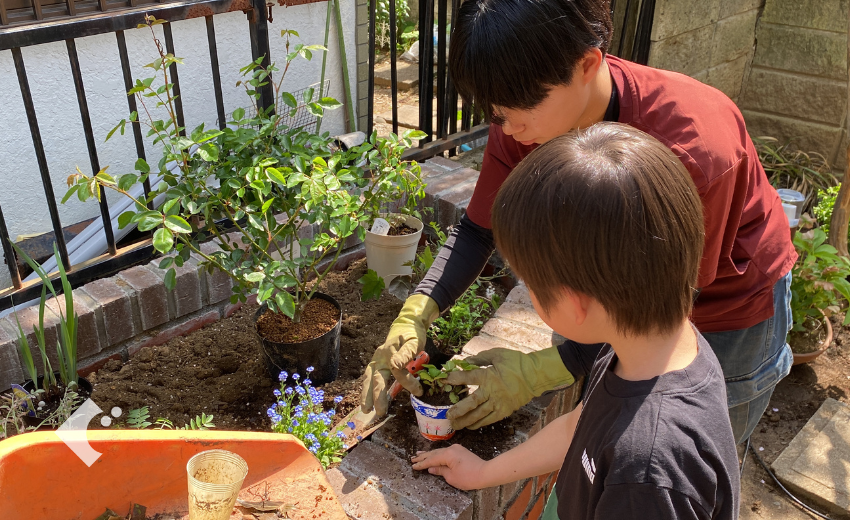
{"x":426,"y":69}
{"x":640,"y":51}
{"x":84,"y":272}
{"x":258,"y":30}
{"x":90,"y":144}
{"x":101,"y":4}
{"x":131,"y":103}
{"x":465,"y":116}
{"x":72,"y":7}
{"x":36,"y":9}
{"x":102,"y":23}
{"x":175,"y":79}
{"x":441,"y":145}
{"x":393,"y":65}
{"x":216,"y":75}
{"x":370,"y":112}
{"x":442,"y":25}
{"x":9,"y":253}
{"x":46,"y":181}
{"x":451,"y":90}
{"x":4,"y":17}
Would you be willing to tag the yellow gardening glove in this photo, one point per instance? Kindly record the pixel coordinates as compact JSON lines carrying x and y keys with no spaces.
{"x":508,"y":380}
{"x":405,"y":339}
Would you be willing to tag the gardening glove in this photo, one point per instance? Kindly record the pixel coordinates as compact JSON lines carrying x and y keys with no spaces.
{"x":405,"y":339}
{"x":511,"y":380}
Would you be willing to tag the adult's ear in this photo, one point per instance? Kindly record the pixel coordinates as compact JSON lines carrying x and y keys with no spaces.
{"x":590,"y":64}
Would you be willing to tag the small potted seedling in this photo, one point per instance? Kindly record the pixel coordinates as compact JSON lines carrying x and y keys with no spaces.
{"x":438,"y":397}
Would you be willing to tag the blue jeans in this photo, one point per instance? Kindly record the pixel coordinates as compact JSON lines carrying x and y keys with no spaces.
{"x":754,"y":360}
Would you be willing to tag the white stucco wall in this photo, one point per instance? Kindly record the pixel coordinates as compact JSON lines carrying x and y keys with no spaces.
{"x":49,"y":73}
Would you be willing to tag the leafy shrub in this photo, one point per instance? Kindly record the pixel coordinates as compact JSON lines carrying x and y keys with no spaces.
{"x":299,"y":411}
{"x":794,"y":169}
{"x":825,"y":204}
{"x":819,"y":284}
{"x":465,"y":318}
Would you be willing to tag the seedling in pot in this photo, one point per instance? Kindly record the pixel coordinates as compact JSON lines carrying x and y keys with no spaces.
{"x":435,"y":380}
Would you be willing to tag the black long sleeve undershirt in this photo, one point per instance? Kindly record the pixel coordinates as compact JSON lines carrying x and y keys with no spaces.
{"x":458,"y":263}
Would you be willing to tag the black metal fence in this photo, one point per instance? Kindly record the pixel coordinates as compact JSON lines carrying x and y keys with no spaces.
{"x":633,"y":22}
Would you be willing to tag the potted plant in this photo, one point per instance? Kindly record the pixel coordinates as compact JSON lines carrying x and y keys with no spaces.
{"x":292,"y":197}
{"x":49,"y":399}
{"x":395,"y":225}
{"x":819,"y":289}
{"x":438,"y":397}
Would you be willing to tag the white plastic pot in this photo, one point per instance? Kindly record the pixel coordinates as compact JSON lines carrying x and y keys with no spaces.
{"x":386,"y":255}
{"x":433,"y":423}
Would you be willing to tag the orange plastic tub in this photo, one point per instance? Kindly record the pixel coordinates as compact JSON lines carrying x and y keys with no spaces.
{"x":41,"y":478}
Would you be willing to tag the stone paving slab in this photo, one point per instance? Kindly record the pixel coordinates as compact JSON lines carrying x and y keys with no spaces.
{"x":816,"y":464}
{"x":407,"y":75}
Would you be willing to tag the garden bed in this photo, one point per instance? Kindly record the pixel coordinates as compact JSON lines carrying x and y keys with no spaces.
{"x":218,"y":370}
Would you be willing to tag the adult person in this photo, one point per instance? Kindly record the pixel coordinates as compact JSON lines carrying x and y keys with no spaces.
{"x":540,"y":69}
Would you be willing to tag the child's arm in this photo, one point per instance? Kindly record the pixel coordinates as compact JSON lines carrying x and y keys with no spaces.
{"x":541,"y":454}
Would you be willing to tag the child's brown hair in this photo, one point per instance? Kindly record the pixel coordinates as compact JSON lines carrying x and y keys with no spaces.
{"x":609,"y":212}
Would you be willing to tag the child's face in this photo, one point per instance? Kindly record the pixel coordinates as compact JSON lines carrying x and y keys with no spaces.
{"x":563,"y":109}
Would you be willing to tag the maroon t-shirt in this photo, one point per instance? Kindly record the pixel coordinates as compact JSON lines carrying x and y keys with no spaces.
{"x":747,"y":241}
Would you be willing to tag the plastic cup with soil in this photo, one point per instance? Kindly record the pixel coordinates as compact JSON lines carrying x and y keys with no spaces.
{"x":311,"y":342}
{"x":438,"y":396}
{"x":215,"y":478}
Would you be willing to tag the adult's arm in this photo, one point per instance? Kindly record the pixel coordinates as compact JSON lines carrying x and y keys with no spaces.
{"x":458,"y":263}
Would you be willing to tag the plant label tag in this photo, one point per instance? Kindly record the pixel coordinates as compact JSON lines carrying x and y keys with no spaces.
{"x":22,"y":394}
{"x":380,"y":227}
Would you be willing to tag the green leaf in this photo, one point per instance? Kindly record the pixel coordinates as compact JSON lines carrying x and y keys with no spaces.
{"x":177,"y":224}
{"x":163,"y":240}
{"x":70,"y":192}
{"x":373,"y":285}
{"x":289,"y":99}
{"x":238,"y":114}
{"x":329,"y":103}
{"x":255,"y":277}
{"x":127,"y":181}
{"x":276,"y":176}
{"x":170,"y":277}
{"x":166,"y":262}
{"x":142,"y":166}
{"x":148,"y":220}
{"x":454,"y":398}
{"x":208,"y":152}
{"x":266,"y":205}
{"x":285,"y":303}
{"x":125,"y":218}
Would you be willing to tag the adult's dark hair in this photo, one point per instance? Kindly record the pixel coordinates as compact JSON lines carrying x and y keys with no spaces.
{"x":509,"y":53}
{"x":609,"y":212}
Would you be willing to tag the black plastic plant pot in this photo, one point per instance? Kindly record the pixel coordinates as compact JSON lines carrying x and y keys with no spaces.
{"x":321,"y":353}
{"x":436,"y":357}
{"x":84,"y":385}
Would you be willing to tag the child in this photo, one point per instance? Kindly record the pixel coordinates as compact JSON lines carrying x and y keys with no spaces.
{"x":605,"y":227}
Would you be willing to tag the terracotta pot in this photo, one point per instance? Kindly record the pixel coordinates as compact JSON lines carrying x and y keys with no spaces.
{"x":799,"y":359}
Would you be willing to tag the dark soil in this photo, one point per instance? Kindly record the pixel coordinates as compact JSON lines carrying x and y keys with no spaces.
{"x":52,"y":399}
{"x":810,"y":340}
{"x":438,"y":399}
{"x":319,"y":317}
{"x":400,"y":230}
{"x":219,"y":370}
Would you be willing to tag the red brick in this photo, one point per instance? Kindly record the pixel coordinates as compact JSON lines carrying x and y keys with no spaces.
{"x":431,"y":171}
{"x":537,"y":508}
{"x":11,"y":370}
{"x":231,"y":309}
{"x":521,"y":337}
{"x":29,"y":319}
{"x":520,"y":504}
{"x":88,"y":366}
{"x":486,"y":502}
{"x":451,"y":204}
{"x":185,"y":298}
{"x":520,"y":296}
{"x":572,"y":396}
{"x":552,"y":480}
{"x":508,"y":491}
{"x":169,"y":333}
{"x":446,"y":182}
{"x":116,"y":313}
{"x":363,"y":501}
{"x":88,"y":340}
{"x":448,"y":164}
{"x":428,"y":496}
{"x":151,"y":299}
{"x":549,"y":406}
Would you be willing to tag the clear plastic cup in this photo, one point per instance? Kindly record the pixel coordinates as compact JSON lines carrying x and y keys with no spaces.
{"x":215,"y":478}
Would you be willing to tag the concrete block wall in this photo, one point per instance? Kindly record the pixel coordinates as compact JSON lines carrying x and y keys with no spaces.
{"x":710,"y":40}
{"x":361,"y":35}
{"x":375,"y":481}
{"x":797,"y":89}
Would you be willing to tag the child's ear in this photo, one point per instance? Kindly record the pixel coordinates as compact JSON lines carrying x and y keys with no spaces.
{"x":579,"y":303}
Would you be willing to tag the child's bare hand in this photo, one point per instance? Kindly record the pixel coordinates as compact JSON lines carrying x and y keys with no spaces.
{"x":460,"y":467}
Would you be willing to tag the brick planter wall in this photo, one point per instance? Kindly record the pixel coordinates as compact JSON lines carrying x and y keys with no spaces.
{"x":375,"y":482}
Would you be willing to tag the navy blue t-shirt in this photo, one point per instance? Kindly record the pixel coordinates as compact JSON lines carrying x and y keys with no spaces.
{"x":655,"y":449}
